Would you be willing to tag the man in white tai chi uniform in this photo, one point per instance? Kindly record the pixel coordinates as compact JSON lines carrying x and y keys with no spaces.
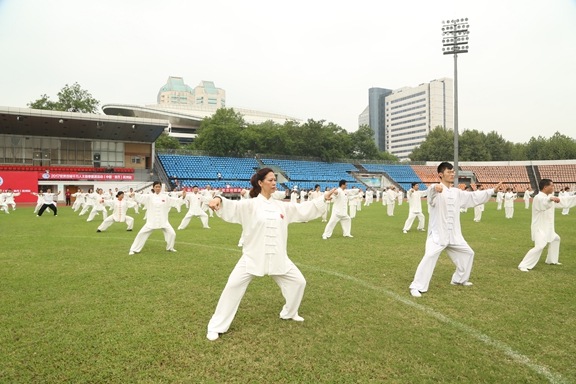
{"x":444,"y":232}
{"x":527,"y":195}
{"x":195,"y":201}
{"x":542,"y":226}
{"x":340,"y":211}
{"x":415,"y":202}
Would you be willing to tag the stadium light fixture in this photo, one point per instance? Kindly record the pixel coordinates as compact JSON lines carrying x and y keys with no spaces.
{"x":455,"y":37}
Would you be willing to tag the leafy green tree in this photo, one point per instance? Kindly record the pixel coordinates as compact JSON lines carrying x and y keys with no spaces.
{"x":438,"y":146}
{"x":363,"y":144}
{"x":559,"y":147}
{"x":222,"y":133}
{"x":70,"y":99}
{"x":165,"y":141}
{"x":472,"y":146}
{"x":535,"y":148}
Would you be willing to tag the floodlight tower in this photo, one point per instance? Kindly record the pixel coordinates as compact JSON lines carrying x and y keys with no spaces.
{"x":454,"y":41}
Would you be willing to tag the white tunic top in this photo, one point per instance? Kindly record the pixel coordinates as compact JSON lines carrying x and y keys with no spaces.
{"x":543,"y":214}
{"x":265,"y":229}
{"x":509,"y":198}
{"x":444,"y":209}
{"x":341,"y":199}
{"x":415,"y":200}
{"x":157,"y":206}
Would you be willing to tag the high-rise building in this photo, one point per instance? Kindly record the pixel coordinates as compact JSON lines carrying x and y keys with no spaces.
{"x":205,"y":94}
{"x":401,"y":119}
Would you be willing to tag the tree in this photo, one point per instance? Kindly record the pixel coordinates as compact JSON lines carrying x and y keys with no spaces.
{"x":472,"y":146}
{"x":165,"y":141}
{"x":363,"y":144}
{"x":558,"y":147}
{"x":438,"y":146}
{"x":222,"y":133}
{"x":70,"y":99}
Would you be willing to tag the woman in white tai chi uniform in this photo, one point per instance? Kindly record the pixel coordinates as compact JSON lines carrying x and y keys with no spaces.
{"x":444,"y":232}
{"x":157,"y":207}
{"x":99,"y":200}
{"x":9,"y":198}
{"x":119,"y":207}
{"x":264,"y":222}
{"x":40,"y":201}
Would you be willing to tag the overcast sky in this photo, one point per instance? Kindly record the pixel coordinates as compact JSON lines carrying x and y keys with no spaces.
{"x":307,"y":59}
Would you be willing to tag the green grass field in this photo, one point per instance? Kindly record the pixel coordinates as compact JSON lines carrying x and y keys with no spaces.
{"x":74,"y":307}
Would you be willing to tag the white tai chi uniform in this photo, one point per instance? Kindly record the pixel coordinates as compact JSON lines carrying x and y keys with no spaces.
{"x":444,"y":232}
{"x":3,"y":205}
{"x":384,"y":198}
{"x":478,"y":212}
{"x":79,"y":201}
{"x":158,"y":206}
{"x":415,"y":210}
{"x":353,"y":203}
{"x":39,"y":202}
{"x":509,"y":198}
{"x":209,"y":195}
{"x":98,"y":207}
{"x":9,"y":196}
{"x":527,"y":195}
{"x":369,"y":198}
{"x":340,"y":213}
{"x":499,"y":200}
{"x":294,"y":197}
{"x":265,"y":227}
{"x":400,"y":196}
{"x":390,"y":197}
{"x":195,"y":200}
{"x":565,"y":211}
{"x":119,"y":208}
{"x":90,"y":202}
{"x":302,"y":196}
{"x":542,"y":229}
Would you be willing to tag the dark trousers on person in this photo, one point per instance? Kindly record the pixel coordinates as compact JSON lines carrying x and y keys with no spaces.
{"x":51,"y":206}
{"x":67,"y":201}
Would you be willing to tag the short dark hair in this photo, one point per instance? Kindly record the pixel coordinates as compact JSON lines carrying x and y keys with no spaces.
{"x":156,"y":182}
{"x":342,"y":182}
{"x":444,"y":166}
{"x":544,"y":183}
{"x":414,"y":184}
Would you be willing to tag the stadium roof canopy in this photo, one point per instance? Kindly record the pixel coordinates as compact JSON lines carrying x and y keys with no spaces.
{"x":91,"y":126}
{"x":190,"y":116}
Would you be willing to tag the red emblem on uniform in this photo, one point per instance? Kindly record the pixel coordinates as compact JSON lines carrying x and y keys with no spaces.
{"x":282,"y":216}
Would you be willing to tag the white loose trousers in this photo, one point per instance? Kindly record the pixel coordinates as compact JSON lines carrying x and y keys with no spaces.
{"x":533,"y":255}
{"x":345,"y":222}
{"x":410,"y":220}
{"x":110,"y":220}
{"x":460,"y":254}
{"x":292,"y":285}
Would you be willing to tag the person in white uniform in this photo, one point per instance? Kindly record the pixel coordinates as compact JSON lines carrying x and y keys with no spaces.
{"x":79,"y":200}
{"x":444,"y":232}
{"x":9,"y":198}
{"x":264,"y":222}
{"x":415,"y":211}
{"x":564,"y":193}
{"x":391,"y":200}
{"x":195,"y":201}
{"x":157,"y":207}
{"x":353,"y":201}
{"x":509,"y":198}
{"x":3,"y":205}
{"x":209,"y":194}
{"x":294,"y":195}
{"x":378,"y":195}
{"x":369,"y":197}
{"x":39,"y":201}
{"x":119,"y":207}
{"x":340,"y":211}
{"x":542,"y":226}
{"x":89,"y":201}
{"x":479,"y":208}
{"x":400,"y":197}
{"x":527,"y":195}
{"x":384,"y":198}
{"x":99,"y":200}
{"x":499,"y":199}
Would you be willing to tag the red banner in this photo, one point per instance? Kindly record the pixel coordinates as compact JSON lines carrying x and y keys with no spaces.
{"x":23,"y":182}
{"x":84,"y":176}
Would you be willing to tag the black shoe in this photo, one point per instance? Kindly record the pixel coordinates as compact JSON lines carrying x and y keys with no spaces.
{"x":128,"y":230}
{"x":98,"y":230}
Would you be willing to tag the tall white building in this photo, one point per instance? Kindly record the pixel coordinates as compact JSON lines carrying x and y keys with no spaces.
{"x":175,"y":91}
{"x":402,"y":118}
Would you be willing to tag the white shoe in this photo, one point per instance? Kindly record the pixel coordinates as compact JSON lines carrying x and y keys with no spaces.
{"x":416,"y":293}
{"x":206,"y":227}
{"x":404,"y":231}
{"x":324,"y":237}
{"x":422,"y":230}
{"x":172,"y":250}
{"x":348,"y":236}
{"x":466,"y":283}
{"x":130,"y":253}
{"x":554,"y":263}
{"x":298,"y":318}
{"x":240,"y":244}
{"x":524,"y":269}
{"x":212,"y":336}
